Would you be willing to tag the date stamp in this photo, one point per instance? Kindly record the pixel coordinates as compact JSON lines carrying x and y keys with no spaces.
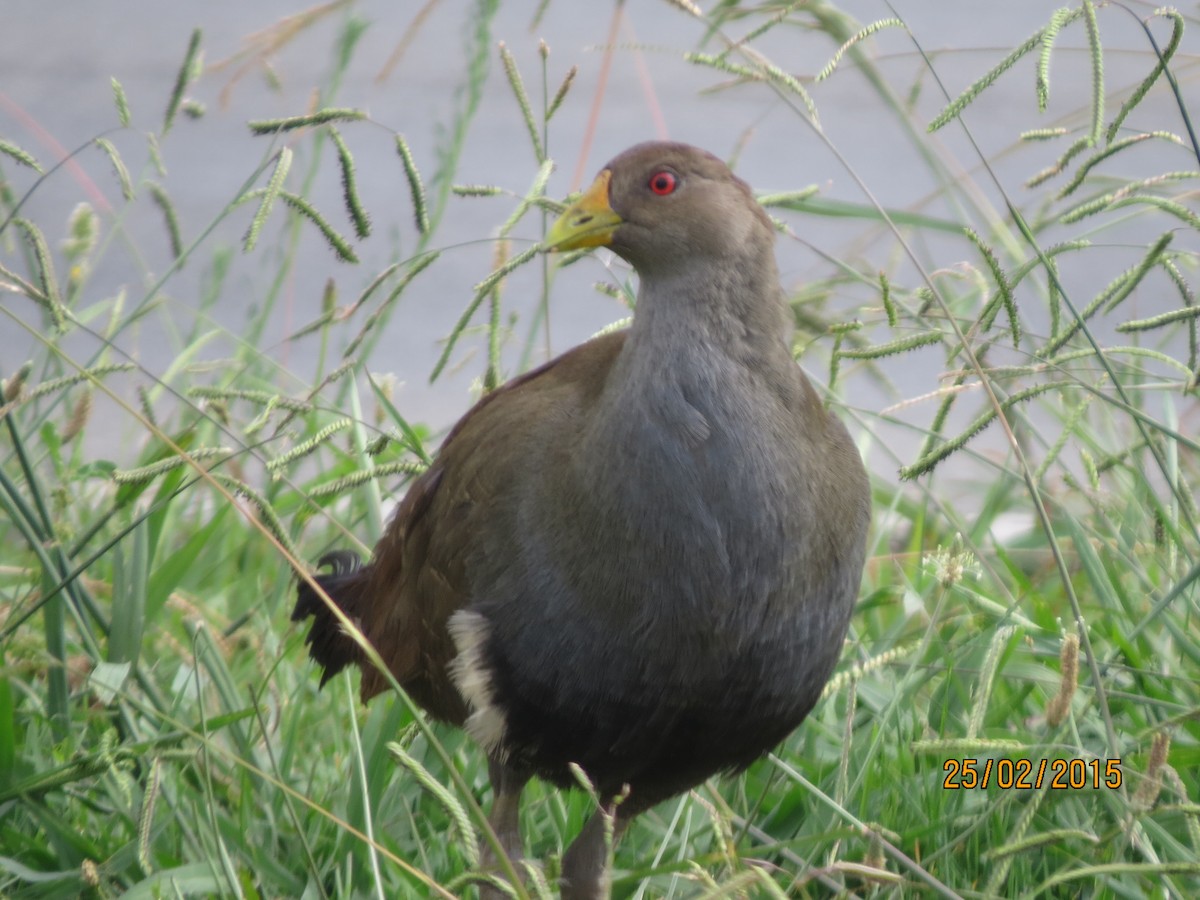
{"x":1030,"y":774}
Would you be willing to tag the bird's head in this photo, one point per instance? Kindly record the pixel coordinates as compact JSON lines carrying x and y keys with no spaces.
{"x":661,"y":205}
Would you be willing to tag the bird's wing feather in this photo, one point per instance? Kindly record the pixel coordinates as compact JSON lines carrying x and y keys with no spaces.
{"x":420,"y":572}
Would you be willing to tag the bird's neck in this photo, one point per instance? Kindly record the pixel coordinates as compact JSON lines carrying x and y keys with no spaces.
{"x":731,"y":308}
{"x":709,"y":354}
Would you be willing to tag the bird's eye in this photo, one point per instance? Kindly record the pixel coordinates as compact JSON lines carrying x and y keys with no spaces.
{"x":663,"y":183}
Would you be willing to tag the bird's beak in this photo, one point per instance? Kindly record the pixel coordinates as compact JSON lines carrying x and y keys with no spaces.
{"x":588,"y":222}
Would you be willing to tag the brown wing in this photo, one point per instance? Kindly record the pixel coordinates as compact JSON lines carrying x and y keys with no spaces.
{"x":419,"y":575}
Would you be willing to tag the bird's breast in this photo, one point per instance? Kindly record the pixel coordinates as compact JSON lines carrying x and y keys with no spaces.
{"x":662,"y":564}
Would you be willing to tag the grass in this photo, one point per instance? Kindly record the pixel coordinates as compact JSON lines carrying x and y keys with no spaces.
{"x":1032,"y":591}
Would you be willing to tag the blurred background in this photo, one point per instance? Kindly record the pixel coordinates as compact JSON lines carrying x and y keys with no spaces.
{"x":432,"y":73}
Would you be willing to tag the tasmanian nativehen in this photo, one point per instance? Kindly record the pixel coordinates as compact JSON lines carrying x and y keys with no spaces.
{"x":640,"y":557}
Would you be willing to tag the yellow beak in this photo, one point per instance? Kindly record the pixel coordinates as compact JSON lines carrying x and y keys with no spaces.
{"x":588,"y":222}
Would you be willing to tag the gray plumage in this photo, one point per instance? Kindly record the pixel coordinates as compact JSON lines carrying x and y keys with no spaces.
{"x":643,"y":556}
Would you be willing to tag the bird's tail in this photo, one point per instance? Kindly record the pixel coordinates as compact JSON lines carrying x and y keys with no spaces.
{"x":328,"y":643}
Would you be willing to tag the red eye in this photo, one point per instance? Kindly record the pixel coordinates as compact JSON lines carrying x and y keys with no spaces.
{"x":663,"y":183}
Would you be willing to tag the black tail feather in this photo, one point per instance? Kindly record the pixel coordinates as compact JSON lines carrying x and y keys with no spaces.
{"x":328,"y":643}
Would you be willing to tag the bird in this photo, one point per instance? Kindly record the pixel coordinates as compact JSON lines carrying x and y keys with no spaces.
{"x":640,"y":559}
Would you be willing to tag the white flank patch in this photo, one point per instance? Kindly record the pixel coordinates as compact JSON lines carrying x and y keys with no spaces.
{"x":474,"y":682}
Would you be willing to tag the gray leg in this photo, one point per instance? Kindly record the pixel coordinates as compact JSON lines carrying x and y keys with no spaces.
{"x":585,"y":869}
{"x":504,"y":818}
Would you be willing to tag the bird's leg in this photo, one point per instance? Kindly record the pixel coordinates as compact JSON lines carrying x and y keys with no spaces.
{"x":507,"y":784}
{"x":586,"y":873}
